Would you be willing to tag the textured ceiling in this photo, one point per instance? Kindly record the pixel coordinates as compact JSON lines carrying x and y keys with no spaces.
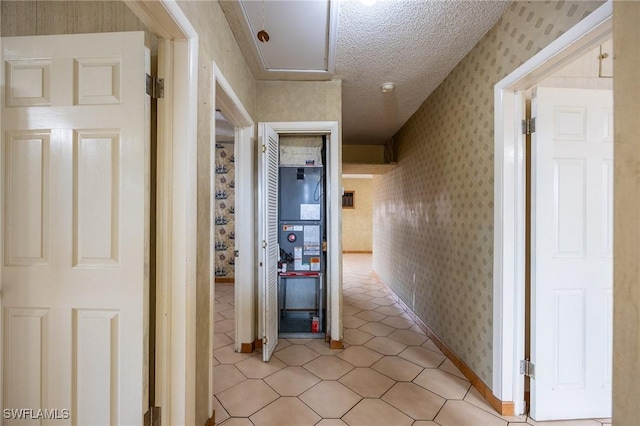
{"x":414,"y":44}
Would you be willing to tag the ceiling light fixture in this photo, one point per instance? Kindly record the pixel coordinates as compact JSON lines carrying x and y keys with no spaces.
{"x":262,"y":35}
{"x":387,"y":87}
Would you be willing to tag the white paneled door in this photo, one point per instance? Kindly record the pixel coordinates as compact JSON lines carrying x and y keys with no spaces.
{"x":268,"y":236}
{"x":75,"y":223}
{"x":572,"y":253}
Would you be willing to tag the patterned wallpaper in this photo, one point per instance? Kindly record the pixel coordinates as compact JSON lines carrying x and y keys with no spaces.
{"x":225,"y":211}
{"x":216,"y":43}
{"x":433,"y":214}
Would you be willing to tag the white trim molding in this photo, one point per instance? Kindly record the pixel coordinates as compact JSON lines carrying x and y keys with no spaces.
{"x":176,"y":208}
{"x":226,"y":100}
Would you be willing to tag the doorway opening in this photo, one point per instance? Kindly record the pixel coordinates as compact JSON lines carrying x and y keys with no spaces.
{"x":357,"y":214}
{"x":302,"y":236}
{"x":224,"y":226}
{"x":510,"y":200}
{"x":569,"y":239}
{"x":268,"y":228}
{"x":231,"y":203}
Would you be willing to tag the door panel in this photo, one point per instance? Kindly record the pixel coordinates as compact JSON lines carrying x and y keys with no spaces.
{"x":571,"y":253}
{"x":75,"y":202}
{"x":268,"y":212}
{"x":27,"y":198}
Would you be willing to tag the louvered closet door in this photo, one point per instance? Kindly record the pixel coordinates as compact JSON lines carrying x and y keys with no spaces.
{"x":74,"y":195}
{"x":268,"y":218}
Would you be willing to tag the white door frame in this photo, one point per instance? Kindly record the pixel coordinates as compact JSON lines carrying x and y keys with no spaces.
{"x":226,"y":100}
{"x":176,"y":208}
{"x":509,"y":198}
{"x":334,"y":205}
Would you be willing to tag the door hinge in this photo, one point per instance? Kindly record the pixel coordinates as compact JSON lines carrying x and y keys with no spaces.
{"x":265,"y":340}
{"x":155,"y":87}
{"x":264,"y":244}
{"x":153,"y":417}
{"x":529,"y":126}
{"x":264,"y":148}
{"x":528,"y":368}
{"x":236,"y":253}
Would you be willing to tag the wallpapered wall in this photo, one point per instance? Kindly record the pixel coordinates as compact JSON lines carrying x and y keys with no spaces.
{"x":48,"y":17}
{"x":357,"y":223}
{"x":215,"y":43}
{"x":225,"y":211}
{"x":626,"y":340}
{"x":433,"y":214}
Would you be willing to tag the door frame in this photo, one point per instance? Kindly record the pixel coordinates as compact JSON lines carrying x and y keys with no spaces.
{"x":176,"y":207}
{"x":334,"y":206}
{"x":229,"y":104}
{"x":509,"y":197}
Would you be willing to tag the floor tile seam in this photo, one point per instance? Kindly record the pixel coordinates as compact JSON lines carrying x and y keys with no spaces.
{"x":434,"y":392}
{"x":439,"y":411}
{"x":248,"y":415}
{"x":400,"y":381}
{"x":369,"y":321}
{"x":482,"y":409}
{"x":321,"y":417}
{"x":276,"y":400}
{"x":373,"y":397}
{"x":331,"y":380}
{"x":220,"y":402}
{"x":312,"y":373}
{"x":492,"y":412}
{"x":382,"y":353}
{"x":240,"y":371}
{"x":363,"y":396}
{"x":427,"y":349}
{"x":226,"y":363}
{"x":261,"y":378}
{"x":265,"y":382}
{"x":408,"y":415}
{"x":378,"y":399}
{"x":226,"y":389}
{"x":349,"y":410}
{"x":451,"y":374}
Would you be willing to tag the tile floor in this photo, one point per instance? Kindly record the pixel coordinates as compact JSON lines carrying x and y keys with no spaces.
{"x":389,"y":373}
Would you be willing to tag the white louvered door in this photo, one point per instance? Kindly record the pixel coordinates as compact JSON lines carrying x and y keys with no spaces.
{"x":75,"y":223}
{"x":572,"y":253}
{"x":268,"y":225}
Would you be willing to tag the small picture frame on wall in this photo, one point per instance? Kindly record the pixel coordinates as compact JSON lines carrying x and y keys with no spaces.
{"x":348,"y":200}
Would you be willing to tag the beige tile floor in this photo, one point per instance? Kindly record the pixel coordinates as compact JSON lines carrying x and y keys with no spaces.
{"x":389,"y":373}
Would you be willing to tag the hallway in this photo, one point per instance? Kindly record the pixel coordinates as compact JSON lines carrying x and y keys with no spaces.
{"x":389,"y":373}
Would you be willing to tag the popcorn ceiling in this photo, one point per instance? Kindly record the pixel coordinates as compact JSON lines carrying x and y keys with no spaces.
{"x":414,"y":44}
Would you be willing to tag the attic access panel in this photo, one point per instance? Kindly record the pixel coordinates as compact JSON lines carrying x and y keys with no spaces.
{"x":301,"y":34}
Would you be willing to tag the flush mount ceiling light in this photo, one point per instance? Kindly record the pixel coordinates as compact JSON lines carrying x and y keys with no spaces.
{"x":262,"y":35}
{"x":387,"y":87}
